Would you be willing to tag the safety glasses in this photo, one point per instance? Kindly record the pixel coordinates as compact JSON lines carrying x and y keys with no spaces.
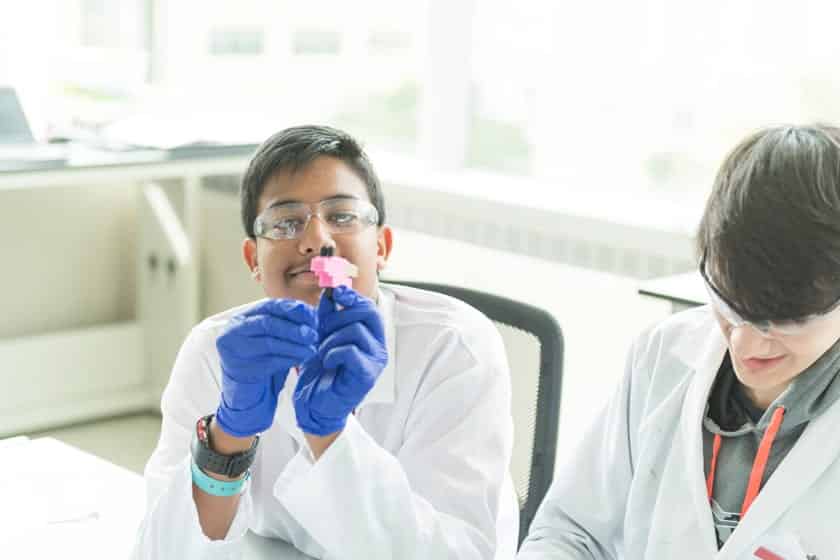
{"x":340,"y":216}
{"x":768,"y":329}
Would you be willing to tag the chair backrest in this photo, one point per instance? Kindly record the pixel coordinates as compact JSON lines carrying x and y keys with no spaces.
{"x":534,"y":345}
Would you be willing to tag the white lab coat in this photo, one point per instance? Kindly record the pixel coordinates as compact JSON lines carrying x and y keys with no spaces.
{"x":420,"y":471}
{"x":635,"y":487}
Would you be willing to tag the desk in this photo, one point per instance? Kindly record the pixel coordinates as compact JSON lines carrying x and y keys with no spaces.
{"x":683,"y":291}
{"x":85,"y":164}
{"x":60,"y":502}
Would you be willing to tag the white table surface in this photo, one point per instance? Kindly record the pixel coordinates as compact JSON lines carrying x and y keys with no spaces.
{"x":61,"y":502}
{"x":66,"y":503}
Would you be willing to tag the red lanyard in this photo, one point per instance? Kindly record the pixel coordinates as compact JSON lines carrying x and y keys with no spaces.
{"x":759,"y":464}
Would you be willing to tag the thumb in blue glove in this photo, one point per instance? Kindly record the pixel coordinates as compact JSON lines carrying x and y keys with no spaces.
{"x":351,"y":356}
{"x":256,"y":351}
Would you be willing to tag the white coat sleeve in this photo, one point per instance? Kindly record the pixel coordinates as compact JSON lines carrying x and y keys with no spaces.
{"x":171,"y":528}
{"x":582,"y":515}
{"x":439,"y":497}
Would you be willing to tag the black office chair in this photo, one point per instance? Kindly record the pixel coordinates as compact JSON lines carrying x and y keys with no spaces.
{"x":534,"y":344}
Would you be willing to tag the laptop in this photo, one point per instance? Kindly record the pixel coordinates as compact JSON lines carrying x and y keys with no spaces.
{"x":18,"y":148}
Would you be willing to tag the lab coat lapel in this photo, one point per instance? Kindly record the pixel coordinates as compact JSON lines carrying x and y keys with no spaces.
{"x":285,"y":415}
{"x":384,"y":389}
{"x":817,"y":448}
{"x":702,"y":349}
{"x":681,"y":525}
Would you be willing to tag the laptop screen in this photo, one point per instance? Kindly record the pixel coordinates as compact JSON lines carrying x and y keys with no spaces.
{"x":14,"y":129}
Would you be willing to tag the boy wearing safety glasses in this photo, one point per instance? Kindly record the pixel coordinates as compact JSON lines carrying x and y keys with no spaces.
{"x":363,"y":422}
{"x":722,"y":440}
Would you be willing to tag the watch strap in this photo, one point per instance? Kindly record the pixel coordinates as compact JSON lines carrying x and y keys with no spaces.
{"x":211,"y":461}
{"x":215,"y":487}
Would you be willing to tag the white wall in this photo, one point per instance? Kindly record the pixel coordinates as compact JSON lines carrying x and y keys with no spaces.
{"x":599,"y":313}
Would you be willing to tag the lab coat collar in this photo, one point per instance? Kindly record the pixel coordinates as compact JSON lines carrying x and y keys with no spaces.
{"x":701,"y":343}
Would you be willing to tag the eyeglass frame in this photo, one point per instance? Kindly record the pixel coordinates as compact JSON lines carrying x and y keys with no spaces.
{"x":768,"y":328}
{"x":370,"y":217}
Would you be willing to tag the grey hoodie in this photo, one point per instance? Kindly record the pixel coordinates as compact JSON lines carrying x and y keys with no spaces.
{"x":742,"y":425}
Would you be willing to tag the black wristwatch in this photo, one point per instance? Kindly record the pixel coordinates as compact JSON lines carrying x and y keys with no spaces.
{"x":211,"y":462}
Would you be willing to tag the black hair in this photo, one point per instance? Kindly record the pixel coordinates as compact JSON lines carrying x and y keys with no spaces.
{"x":294,"y":148}
{"x":770,"y":232}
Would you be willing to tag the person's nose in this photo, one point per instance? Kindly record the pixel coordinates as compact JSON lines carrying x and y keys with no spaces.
{"x":314,"y":236}
{"x":747,"y":341}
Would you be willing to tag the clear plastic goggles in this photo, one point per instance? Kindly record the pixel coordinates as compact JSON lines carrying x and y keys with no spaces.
{"x":339,"y":215}
{"x":790,"y":327}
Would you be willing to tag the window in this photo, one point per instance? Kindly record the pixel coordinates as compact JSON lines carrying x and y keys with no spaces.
{"x":317,"y":42}
{"x":605,"y":96}
{"x":356,"y":66}
{"x":242,"y":41}
{"x":644,"y":96}
{"x":99,"y":23}
{"x":511,"y":46}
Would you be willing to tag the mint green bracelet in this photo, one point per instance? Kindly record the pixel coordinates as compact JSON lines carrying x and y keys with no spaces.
{"x":214,"y":487}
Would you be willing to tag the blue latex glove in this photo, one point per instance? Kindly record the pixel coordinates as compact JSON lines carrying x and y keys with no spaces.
{"x":351,"y":356}
{"x":256,"y":350}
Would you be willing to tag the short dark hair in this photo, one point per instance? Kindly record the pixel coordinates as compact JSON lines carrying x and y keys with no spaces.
{"x":771,"y":228}
{"x":294,"y":148}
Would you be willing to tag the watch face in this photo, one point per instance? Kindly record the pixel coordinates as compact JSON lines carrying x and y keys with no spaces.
{"x":201,"y":430}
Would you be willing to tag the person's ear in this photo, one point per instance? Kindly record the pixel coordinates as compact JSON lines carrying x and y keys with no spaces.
{"x":384,"y":243}
{"x":249,"y":253}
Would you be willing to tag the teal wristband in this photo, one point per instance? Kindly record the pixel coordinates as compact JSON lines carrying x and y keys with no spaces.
{"x":210,"y":485}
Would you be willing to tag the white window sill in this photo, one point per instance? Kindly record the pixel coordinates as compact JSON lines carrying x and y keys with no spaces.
{"x":629,"y":232}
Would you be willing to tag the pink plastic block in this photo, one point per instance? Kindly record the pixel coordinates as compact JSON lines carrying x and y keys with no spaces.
{"x":333,"y":272}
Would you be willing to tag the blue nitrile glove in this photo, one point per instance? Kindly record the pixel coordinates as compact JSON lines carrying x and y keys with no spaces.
{"x":350,"y":358}
{"x":256,"y":350}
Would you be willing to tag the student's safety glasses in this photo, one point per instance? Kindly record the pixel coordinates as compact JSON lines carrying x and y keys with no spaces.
{"x":768,"y":329}
{"x":339,"y":216}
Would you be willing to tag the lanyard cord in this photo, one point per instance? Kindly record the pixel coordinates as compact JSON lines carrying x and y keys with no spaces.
{"x":759,"y":464}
